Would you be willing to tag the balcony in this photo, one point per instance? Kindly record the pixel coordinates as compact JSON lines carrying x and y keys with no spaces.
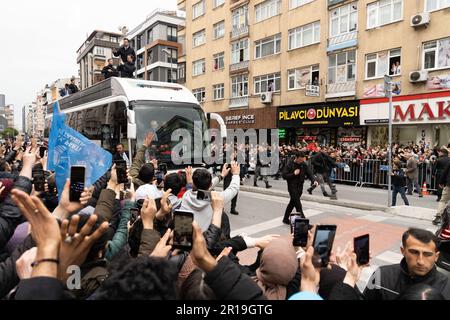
{"x":238,"y":102}
{"x":237,"y":3}
{"x":239,"y":67}
{"x":333,"y":2}
{"x":337,"y":90}
{"x":239,"y":32}
{"x":343,"y":41}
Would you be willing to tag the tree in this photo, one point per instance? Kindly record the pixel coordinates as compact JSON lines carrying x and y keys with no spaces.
{"x":9,"y":133}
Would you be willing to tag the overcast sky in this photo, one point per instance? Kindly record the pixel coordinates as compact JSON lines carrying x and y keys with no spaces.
{"x":40,"y":39}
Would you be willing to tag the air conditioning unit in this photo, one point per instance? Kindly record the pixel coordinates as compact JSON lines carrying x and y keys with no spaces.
{"x":266,"y":97}
{"x":420,"y":19}
{"x":418,"y":76}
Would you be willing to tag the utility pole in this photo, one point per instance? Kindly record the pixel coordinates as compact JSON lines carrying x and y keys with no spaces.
{"x":388,"y":91}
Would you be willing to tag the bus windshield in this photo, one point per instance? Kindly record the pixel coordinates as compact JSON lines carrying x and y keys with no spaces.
{"x":162,"y":119}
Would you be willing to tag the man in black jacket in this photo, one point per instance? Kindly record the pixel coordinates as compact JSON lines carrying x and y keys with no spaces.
{"x":127,"y":69}
{"x":295,"y":172}
{"x":418,"y":266}
{"x":124,"y":51}
{"x":441,"y":163}
{"x":444,"y":183}
{"x":322,"y":163}
{"x":110,"y":70}
{"x":72,"y":86}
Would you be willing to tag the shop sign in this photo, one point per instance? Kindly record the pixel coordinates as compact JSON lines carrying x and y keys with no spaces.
{"x":436,"y":110}
{"x":282,"y":133}
{"x":312,"y":91}
{"x":350,"y":139}
{"x":334,"y":114}
{"x":240,"y":119}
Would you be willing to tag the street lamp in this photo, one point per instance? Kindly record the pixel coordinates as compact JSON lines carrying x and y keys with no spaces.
{"x":167,"y":52}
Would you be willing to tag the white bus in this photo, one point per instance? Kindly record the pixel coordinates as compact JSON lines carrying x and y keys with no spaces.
{"x":119,"y":110}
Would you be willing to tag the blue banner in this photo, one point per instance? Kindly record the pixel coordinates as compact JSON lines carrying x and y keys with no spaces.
{"x":67,"y":147}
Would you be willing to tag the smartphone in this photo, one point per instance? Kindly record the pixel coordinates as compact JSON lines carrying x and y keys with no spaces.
{"x":77,"y":182}
{"x":121,"y":170}
{"x":323,"y":243}
{"x":361,"y":247}
{"x":204,"y":195}
{"x":42,"y":151}
{"x":301,"y":227}
{"x":182,"y":231}
{"x":292,"y":219}
{"x":39,"y":179}
{"x":134,"y":215}
{"x":162,"y":167}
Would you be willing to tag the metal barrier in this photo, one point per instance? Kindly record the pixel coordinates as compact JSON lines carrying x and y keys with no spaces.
{"x":375,"y":173}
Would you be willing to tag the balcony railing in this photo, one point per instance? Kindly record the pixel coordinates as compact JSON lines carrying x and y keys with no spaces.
{"x":343,"y":41}
{"x":239,"y":32}
{"x":240,"y":66}
{"x":345,"y":89}
{"x":238,"y":102}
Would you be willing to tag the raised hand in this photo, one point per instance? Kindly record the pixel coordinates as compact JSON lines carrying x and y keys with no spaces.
{"x":200,"y":254}
{"x":148,"y":212}
{"x":163,"y":247}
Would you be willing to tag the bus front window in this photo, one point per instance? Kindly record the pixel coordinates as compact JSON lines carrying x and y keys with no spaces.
{"x":162,"y":119}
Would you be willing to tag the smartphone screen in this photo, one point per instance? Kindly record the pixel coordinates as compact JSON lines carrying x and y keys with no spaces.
{"x":204,"y":195}
{"x":301,"y":227}
{"x":42,"y":151}
{"x":121,"y":170}
{"x":361,"y":246}
{"x":77,"y":181}
{"x":323,"y":243}
{"x":38,"y":179}
{"x":292,"y":219}
{"x":134,"y":215}
{"x":182,"y":231}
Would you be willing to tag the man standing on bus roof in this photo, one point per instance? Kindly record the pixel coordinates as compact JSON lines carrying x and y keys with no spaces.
{"x":124,"y":51}
{"x":121,"y":155}
{"x":127,"y":69}
{"x":72,"y":86}
{"x":110,"y":70}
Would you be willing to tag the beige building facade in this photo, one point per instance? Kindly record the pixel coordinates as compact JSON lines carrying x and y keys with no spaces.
{"x":317,"y":67}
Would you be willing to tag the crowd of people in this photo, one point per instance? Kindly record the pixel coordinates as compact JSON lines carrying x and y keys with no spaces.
{"x":119,"y":236}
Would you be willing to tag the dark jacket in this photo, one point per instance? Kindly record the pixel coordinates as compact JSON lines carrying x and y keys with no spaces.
{"x":322,"y":162}
{"x":40,"y":288}
{"x":126,"y":70}
{"x":396,"y":278}
{"x":123,"y":53}
{"x":73,"y":88}
{"x":295,"y":182}
{"x":109,"y":71}
{"x":10,"y":215}
{"x":441,"y":164}
{"x":229,"y":283}
{"x":399,"y":178}
{"x":445,"y":177}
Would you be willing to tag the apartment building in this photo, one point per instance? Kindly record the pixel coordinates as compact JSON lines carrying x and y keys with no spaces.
{"x":156,"y":44}
{"x":315,"y":69}
{"x":93,"y":55}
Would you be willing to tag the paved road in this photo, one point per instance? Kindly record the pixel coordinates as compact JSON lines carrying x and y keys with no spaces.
{"x":262,"y":214}
{"x":364,"y":194}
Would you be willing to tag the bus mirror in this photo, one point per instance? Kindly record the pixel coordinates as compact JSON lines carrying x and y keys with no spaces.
{"x":131,"y":116}
{"x":131,"y":131}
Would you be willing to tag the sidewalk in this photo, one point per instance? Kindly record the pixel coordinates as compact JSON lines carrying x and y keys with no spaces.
{"x":364,"y":198}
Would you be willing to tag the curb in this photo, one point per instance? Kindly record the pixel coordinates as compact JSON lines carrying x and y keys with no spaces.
{"x":409,"y":212}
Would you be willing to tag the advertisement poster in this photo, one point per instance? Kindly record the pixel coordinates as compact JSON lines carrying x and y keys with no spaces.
{"x":377,"y":90}
{"x":438,"y":82}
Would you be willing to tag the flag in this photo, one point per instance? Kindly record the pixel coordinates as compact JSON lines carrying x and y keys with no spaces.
{"x":67,"y":147}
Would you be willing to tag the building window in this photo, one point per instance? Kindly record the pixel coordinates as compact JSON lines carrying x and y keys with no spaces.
{"x":383,"y":12}
{"x":436,"y":54}
{"x":219,"y":29}
{"x":297,"y":3}
{"x":149,"y":57}
{"x":100,"y":51}
{"x":113,"y":39}
{"x":299,"y":78}
{"x":138,"y":41}
{"x":239,"y":17}
{"x":239,"y":86}
{"x":218,"y":3}
{"x":199,"y":94}
{"x":172,"y":34}
{"x":304,"y":35}
{"x":267,"y":9}
{"x":219,"y":91}
{"x":218,"y":61}
{"x":268,"y":46}
{"x":199,"y":38}
{"x":267,"y":83}
{"x":432,"y":5}
{"x":150,"y":36}
{"x":171,"y":75}
{"x":239,"y":51}
{"x":182,"y":71}
{"x":198,"y":67}
{"x":342,"y":67}
{"x":198,"y":9}
{"x":344,"y":19}
{"x":384,"y":62}
{"x":172,"y":57}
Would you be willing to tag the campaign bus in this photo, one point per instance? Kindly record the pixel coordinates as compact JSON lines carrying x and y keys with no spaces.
{"x":120,"y":110}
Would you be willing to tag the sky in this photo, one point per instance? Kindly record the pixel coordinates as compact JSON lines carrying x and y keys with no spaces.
{"x":40,"y":39}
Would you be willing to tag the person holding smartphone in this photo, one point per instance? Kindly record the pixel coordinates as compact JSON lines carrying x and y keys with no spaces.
{"x":295,"y":173}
